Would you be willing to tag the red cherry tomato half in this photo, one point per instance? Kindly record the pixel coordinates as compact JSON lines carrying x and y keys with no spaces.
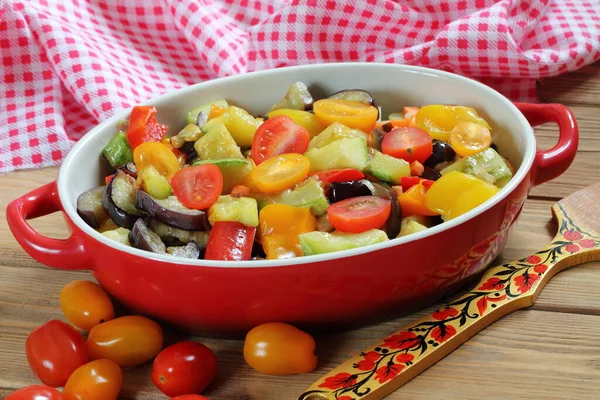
{"x":54,"y":351}
{"x":230,"y":241}
{"x":359,"y":214}
{"x":190,"y":397}
{"x":278,"y":135}
{"x":410,"y":144}
{"x":409,"y":181}
{"x":184,"y":368}
{"x":339,"y":175}
{"x":198,"y":187}
{"x":36,"y":392}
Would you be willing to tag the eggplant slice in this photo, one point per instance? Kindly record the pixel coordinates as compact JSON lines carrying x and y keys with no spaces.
{"x":362,"y":96}
{"x":90,"y":208}
{"x":339,"y":191}
{"x":190,"y":250}
{"x":130,"y":169}
{"x":143,"y":238}
{"x":392,"y":225}
{"x":174,"y":236}
{"x":171,"y":212}
{"x":119,"y":200}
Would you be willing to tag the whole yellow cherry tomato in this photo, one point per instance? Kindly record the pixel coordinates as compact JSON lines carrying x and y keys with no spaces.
{"x":96,"y":380}
{"x":439,"y":120}
{"x":128,"y":341}
{"x":280,"y":349}
{"x":468,"y":138}
{"x":159,"y":156}
{"x":353,"y":114}
{"x":280,"y":172}
{"x":85,"y":304}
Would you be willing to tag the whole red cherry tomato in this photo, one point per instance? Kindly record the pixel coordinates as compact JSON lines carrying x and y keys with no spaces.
{"x":184,"y":368}
{"x":54,"y":351}
{"x":190,"y":397}
{"x":36,"y":392}
{"x":96,"y":380}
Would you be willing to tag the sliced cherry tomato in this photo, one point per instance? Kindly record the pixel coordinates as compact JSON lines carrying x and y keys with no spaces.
{"x":54,"y":351}
{"x":159,"y":156}
{"x":339,"y":175}
{"x":96,"y":380}
{"x":198,"y":187}
{"x":240,"y":191}
{"x":468,"y":138}
{"x":280,"y":349}
{"x":181,"y":156}
{"x":278,"y":135}
{"x":280,"y":172}
{"x":85,"y":304}
{"x":127,"y":341}
{"x":230,"y":241}
{"x":35,"y":392}
{"x":190,"y":397}
{"x":184,"y":368}
{"x":412,"y":201}
{"x":353,"y":114}
{"x":359,"y":214}
{"x":143,"y":126}
{"x":439,"y":120}
{"x":409,"y":181}
{"x":410,"y":144}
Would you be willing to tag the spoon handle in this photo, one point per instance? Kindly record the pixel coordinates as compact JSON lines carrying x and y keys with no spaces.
{"x":379,"y":370}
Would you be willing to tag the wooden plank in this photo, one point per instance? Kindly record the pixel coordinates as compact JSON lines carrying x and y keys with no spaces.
{"x":578,"y":87}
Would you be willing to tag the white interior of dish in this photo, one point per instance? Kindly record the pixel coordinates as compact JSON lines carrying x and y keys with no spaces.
{"x":393,"y":86}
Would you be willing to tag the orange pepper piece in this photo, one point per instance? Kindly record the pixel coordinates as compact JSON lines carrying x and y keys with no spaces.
{"x":412,"y":201}
{"x":280,"y":226}
{"x":215,"y":111}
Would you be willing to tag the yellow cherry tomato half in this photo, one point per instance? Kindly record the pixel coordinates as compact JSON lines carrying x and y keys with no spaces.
{"x":159,"y":156}
{"x":353,"y":114}
{"x":468,"y":138}
{"x":280,"y":172}
{"x":85,"y":304}
{"x":276,"y":348}
{"x":440,"y":120}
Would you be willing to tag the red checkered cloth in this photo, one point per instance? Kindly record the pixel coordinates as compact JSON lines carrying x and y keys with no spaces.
{"x":67,"y":64}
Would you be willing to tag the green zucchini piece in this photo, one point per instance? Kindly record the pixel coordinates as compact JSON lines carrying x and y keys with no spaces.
{"x":233,"y":170}
{"x":118,"y":152}
{"x":309,"y":194}
{"x":192,"y":115}
{"x":324,"y":242}
{"x":387,"y":168}
{"x":486,"y":165}
{"x":237,"y":209}
{"x":217,"y":144}
{"x":345,"y":153}
{"x":153,"y":183}
{"x":333,"y":132}
{"x":409,"y":226}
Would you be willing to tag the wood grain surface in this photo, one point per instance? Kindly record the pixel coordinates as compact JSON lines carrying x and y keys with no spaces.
{"x":551,"y":351}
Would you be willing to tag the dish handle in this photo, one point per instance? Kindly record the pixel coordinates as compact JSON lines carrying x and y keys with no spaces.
{"x":56,"y":253}
{"x":552,"y":163}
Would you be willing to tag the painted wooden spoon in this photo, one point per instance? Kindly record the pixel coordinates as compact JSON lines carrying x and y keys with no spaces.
{"x":379,"y":370}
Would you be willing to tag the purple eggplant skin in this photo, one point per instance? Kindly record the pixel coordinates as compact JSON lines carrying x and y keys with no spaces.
{"x":130,"y":169}
{"x":392,"y":225}
{"x":143,"y":238}
{"x":442,"y":152}
{"x":190,"y":250}
{"x":171,"y":212}
{"x":116,"y":204}
{"x":90,"y":208}
{"x":339,"y":191}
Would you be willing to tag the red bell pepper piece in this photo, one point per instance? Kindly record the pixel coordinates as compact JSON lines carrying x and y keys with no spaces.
{"x":230,"y":241}
{"x":338,"y":175}
{"x":107,"y":179}
{"x":143,"y":126}
{"x":409,"y":181}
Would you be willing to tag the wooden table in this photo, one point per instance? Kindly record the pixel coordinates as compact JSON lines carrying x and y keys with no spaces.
{"x":551,"y":351}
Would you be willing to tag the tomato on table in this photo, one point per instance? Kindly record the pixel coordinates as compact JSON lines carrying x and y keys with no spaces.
{"x":352,"y":114}
{"x":159,"y":156}
{"x":184,"y":368}
{"x":410,"y":144}
{"x":278,"y":135}
{"x":230,"y":241}
{"x":54,"y":350}
{"x":280,"y":349}
{"x":35,"y":392}
{"x":96,"y":380}
{"x":85,"y":304}
{"x":468,"y":138}
{"x":359,"y":214}
{"x":189,"y":397}
{"x":280,"y":172}
{"x":412,"y":201}
{"x":338,"y":175}
{"x":198,"y":187}
{"x":143,"y":126}
{"x":128,"y":341}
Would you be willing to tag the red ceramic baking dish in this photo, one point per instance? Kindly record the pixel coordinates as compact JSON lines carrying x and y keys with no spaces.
{"x":331,"y":290}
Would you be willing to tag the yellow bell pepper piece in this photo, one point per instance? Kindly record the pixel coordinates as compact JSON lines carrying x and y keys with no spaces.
{"x":280,"y":226}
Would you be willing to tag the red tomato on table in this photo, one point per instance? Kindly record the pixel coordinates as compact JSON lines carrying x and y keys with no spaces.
{"x":36,"y":392}
{"x":54,"y":351}
{"x":184,"y":368}
{"x":278,"y":135}
{"x":190,"y":397}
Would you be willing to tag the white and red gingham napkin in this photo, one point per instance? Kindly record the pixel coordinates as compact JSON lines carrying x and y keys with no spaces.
{"x":67,"y":64}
